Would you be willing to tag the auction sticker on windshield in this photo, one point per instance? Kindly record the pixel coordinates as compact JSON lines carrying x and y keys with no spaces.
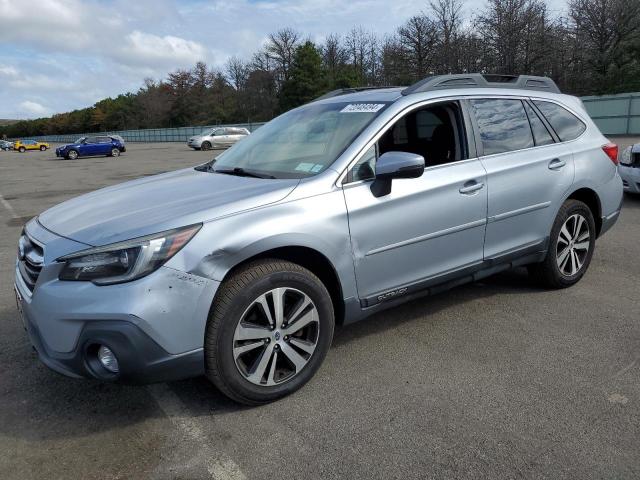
{"x":362,"y":108}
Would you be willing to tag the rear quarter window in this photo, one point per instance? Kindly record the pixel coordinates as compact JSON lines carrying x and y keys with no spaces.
{"x":566,"y":125}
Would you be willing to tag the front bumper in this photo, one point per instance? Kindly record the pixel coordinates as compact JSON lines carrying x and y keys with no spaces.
{"x":630,"y":178}
{"x":154,"y":325}
{"x":141,"y":359}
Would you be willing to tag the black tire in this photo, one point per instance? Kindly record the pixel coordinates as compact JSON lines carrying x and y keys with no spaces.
{"x":71,"y":155}
{"x":42,"y":148}
{"x":233,"y":298}
{"x":22,"y":149}
{"x":206,"y":146}
{"x":548,"y":273}
{"x":115,"y":152}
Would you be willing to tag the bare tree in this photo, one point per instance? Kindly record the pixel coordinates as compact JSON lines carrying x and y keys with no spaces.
{"x":606,"y":30}
{"x":447,"y":17}
{"x":512,"y":30}
{"x":362,"y":51}
{"x":418,"y":37}
{"x":281,"y":48}
{"x":237,"y":72}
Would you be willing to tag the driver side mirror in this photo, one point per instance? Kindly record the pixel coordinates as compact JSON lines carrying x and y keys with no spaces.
{"x":392,"y":165}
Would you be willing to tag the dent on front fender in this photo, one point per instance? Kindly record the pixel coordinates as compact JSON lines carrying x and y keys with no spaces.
{"x":318,"y":222}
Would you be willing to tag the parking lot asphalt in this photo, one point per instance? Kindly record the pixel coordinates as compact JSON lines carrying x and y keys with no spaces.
{"x":499,"y":379}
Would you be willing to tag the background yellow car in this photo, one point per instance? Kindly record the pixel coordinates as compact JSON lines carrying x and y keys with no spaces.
{"x":22,"y":145}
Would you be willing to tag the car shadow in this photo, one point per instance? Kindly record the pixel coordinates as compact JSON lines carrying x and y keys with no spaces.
{"x":42,"y":404}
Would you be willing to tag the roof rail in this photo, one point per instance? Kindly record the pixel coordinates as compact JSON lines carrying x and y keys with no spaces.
{"x":344,"y":91}
{"x":480,"y":80}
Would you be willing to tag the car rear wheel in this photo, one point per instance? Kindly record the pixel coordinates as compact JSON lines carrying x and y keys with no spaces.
{"x":571,"y":246}
{"x":268,"y":332}
{"x":72,"y":155}
{"x":206,"y":146}
{"x":21,"y":149}
{"x":42,"y":148}
{"x":115,"y":152}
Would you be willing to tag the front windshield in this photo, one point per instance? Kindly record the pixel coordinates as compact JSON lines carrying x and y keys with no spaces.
{"x":209,"y":132}
{"x":80,"y":140}
{"x":302,"y":142}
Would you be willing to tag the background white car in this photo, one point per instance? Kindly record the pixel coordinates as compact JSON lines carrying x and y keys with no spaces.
{"x":219,"y":137}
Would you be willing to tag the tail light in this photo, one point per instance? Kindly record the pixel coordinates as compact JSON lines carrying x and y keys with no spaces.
{"x":611,"y":149}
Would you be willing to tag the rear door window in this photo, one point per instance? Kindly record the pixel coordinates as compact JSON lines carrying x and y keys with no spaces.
{"x":566,"y":125}
{"x":503,"y":125}
{"x":540,"y":133}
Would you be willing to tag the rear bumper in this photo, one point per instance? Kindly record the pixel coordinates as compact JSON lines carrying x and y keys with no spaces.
{"x":609,"y":221}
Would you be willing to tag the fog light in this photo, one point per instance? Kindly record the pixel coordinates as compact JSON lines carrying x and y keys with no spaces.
{"x":108,"y":359}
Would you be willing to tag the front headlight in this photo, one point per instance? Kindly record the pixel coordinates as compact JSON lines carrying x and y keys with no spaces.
{"x":126,"y":261}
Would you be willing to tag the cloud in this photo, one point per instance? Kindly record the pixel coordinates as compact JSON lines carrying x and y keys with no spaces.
{"x":34,"y":109}
{"x":152,"y":50}
{"x":68,"y":54}
{"x":8,"y":71}
{"x":92,"y":28}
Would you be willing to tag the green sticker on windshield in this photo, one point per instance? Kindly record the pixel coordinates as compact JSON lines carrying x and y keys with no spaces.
{"x":304,"y":167}
{"x":316,"y":168}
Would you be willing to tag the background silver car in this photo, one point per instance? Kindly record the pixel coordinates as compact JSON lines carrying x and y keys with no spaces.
{"x":629,"y":169}
{"x":240,"y":268}
{"x":220,"y":137}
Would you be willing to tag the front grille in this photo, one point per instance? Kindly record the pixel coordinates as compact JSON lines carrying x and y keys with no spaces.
{"x":30,"y":260}
{"x":625,"y":183}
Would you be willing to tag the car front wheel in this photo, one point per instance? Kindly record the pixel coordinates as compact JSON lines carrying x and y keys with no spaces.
{"x":42,"y":148}
{"x":115,"y":152}
{"x":21,"y":149}
{"x":268,"y":332}
{"x":571,"y":246}
{"x":206,"y":146}
{"x":72,"y":155}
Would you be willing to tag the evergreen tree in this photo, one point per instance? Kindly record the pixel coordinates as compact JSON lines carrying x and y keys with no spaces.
{"x":307,"y":79}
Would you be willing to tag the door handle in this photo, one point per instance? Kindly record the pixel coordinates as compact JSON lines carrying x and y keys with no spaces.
{"x":471,"y":187}
{"x":556,"y":164}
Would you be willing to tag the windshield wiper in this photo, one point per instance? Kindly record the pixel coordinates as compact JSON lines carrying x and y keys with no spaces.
{"x":241,"y":172}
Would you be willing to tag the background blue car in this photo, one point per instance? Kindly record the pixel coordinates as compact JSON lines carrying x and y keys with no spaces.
{"x":92,"y":146}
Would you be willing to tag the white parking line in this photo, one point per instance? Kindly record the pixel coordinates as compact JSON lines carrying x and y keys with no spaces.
{"x":219,"y":466}
{"x":8,"y":206}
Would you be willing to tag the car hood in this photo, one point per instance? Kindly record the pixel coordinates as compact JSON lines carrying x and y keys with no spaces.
{"x":69,"y":145}
{"x":160,"y":202}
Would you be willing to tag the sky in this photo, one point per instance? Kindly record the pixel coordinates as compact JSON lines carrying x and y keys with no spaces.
{"x":59,"y":55}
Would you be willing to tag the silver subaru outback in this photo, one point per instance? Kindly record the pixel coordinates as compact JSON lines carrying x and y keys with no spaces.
{"x":240,"y":268}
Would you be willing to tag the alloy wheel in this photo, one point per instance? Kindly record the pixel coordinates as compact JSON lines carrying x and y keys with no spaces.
{"x":276,"y":336}
{"x":573,"y":245}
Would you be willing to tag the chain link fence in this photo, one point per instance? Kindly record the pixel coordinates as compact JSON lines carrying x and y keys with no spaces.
{"x":180,"y":134}
{"x":615,"y":114}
